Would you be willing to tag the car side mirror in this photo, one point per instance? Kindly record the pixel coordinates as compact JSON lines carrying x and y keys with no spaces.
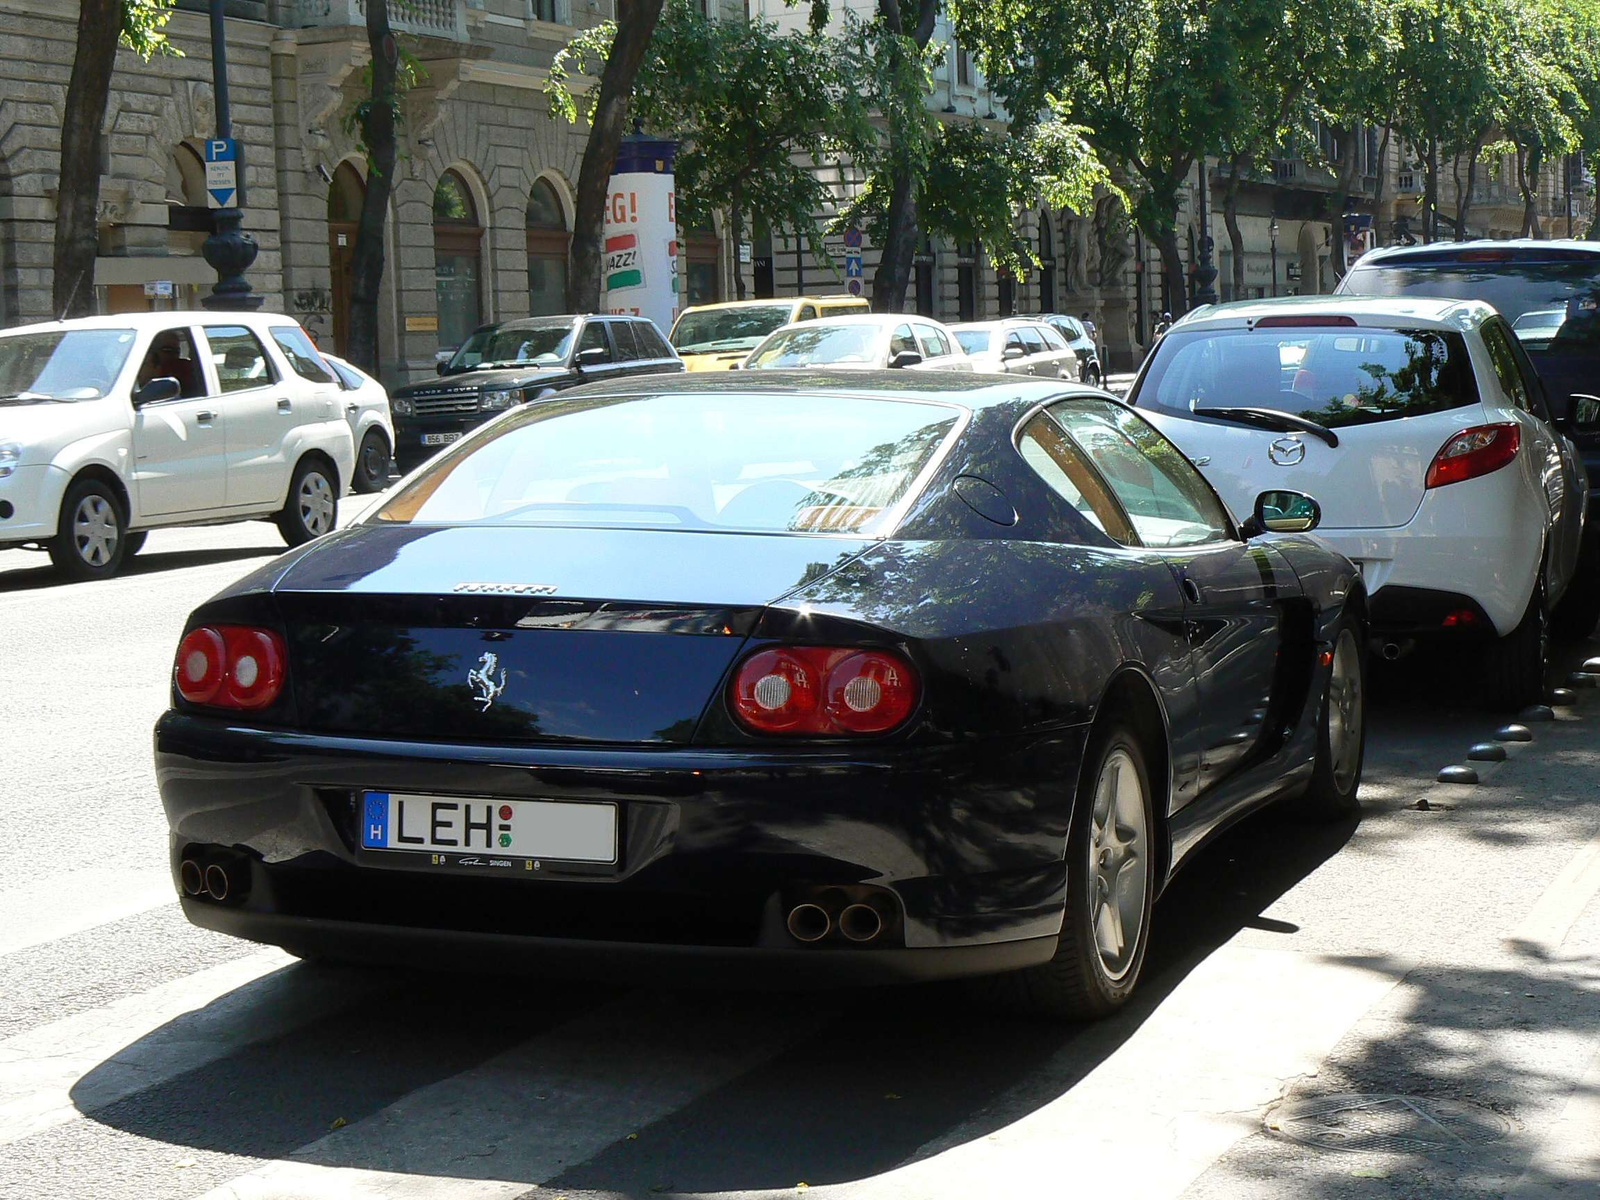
{"x":1283,"y":512}
{"x":1011,"y":352}
{"x":593,"y":356}
{"x":438,"y":368}
{"x":904,"y":358}
{"x":162,"y":387}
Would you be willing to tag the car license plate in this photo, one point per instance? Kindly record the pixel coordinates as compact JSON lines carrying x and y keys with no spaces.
{"x":440,"y":439}
{"x":460,"y":825}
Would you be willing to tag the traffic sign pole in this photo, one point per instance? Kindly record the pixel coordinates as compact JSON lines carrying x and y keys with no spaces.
{"x":228,"y":249}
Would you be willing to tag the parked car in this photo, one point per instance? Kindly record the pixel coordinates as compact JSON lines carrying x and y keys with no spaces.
{"x":1550,"y":292}
{"x":113,"y":426}
{"x":717,"y":337}
{"x":1017,"y":347}
{"x":1421,"y":426}
{"x":511,"y":362}
{"x":366,"y":409}
{"x":1081,"y":340}
{"x":887,"y":678}
{"x":865,"y":342}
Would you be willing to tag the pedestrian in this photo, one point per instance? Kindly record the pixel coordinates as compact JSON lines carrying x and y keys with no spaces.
{"x":1088,"y":325}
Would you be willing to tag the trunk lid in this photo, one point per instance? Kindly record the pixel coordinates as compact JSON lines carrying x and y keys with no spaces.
{"x":530,"y":633}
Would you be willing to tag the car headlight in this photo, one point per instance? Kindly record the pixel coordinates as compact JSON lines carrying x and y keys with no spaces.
{"x":10,"y":456}
{"x":400,"y":406}
{"x":496,"y":400}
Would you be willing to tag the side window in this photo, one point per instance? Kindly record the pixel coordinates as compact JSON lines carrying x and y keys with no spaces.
{"x":930,"y":341}
{"x":302,"y":355}
{"x":1052,"y":339}
{"x":1164,"y":496}
{"x":348,"y":379}
{"x":171,"y":355}
{"x":1062,"y":466}
{"x":1530,"y":374}
{"x":902,"y":340}
{"x":239,"y":359}
{"x":651,"y":343}
{"x":806,"y":313}
{"x":594,"y":338}
{"x":1014,"y":342}
{"x":1031,"y":339}
{"x":1505,"y":366}
{"x":627,"y":344}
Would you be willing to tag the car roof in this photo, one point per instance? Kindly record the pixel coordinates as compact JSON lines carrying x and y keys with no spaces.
{"x":948,"y":387}
{"x":770,"y":301}
{"x":981,"y":326}
{"x":1482,"y":250}
{"x":861,"y":318}
{"x":1425,"y":311}
{"x":143,"y":322}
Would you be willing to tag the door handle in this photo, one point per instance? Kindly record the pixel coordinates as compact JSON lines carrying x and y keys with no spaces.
{"x":1191,"y":589}
{"x":351,"y":408}
{"x":204,"y":418}
{"x":285,"y":406}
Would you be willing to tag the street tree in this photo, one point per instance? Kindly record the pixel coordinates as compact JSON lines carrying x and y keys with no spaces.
{"x":103,"y":25}
{"x":626,"y":41}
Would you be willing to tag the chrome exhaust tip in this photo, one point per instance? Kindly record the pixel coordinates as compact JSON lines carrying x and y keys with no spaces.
{"x":809,"y":922}
{"x":1391,"y":651}
{"x":218,"y":885}
{"x":860,"y":923}
{"x":190,"y":876}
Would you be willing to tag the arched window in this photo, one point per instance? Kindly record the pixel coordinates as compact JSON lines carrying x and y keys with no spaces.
{"x":457,"y":254}
{"x":1047,"y":265}
{"x":548,"y":244}
{"x":346,"y":194}
{"x":186,"y":188}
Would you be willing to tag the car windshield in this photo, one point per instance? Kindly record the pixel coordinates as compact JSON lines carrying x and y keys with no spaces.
{"x":1333,"y":376}
{"x":1560,"y":300}
{"x":543,"y":344}
{"x":75,"y":364}
{"x":729,"y":329}
{"x":817,"y":345}
{"x":771,"y":463}
{"x":973,"y":341}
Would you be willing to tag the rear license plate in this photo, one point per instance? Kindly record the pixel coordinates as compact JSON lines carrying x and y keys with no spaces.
{"x":440,"y":439}
{"x":531,"y":829}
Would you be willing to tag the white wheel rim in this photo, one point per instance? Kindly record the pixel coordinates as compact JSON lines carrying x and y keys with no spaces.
{"x":316,"y":503}
{"x":1118,"y":864}
{"x":94,"y":530}
{"x":1345,"y":711}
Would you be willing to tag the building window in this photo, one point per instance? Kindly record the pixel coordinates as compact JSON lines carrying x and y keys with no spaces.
{"x":967,"y":282}
{"x":924,"y":265}
{"x":557,"y":12}
{"x":548,"y":244}
{"x":1047,"y":265}
{"x":705,"y":272}
{"x":963,"y":68}
{"x":457,"y":254}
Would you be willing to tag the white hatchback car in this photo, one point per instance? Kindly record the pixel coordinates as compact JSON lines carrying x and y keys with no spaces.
{"x":865,"y":342}
{"x":113,"y":426}
{"x":1017,"y":347}
{"x":1420,"y":427}
{"x":366,"y":408}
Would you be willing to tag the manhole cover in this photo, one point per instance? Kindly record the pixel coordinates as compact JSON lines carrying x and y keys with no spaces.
{"x":1388,"y":1124}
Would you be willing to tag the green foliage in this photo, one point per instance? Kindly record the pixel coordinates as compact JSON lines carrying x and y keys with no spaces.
{"x":144,"y":24}
{"x":357,"y":120}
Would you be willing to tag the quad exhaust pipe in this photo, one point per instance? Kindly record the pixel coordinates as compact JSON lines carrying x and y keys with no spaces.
{"x":809,"y":923}
{"x":855,"y":918}
{"x":860,"y":923}
{"x":221,"y":880}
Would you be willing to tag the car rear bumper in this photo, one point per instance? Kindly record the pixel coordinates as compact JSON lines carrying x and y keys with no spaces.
{"x":962,"y":846}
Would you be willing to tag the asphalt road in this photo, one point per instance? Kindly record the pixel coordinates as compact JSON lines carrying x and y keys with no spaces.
{"x":1439,"y":962}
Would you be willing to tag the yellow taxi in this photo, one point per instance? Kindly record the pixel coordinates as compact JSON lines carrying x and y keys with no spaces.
{"x":716,"y":337}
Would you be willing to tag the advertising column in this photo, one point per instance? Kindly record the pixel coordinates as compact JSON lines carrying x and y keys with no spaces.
{"x":640,"y":265}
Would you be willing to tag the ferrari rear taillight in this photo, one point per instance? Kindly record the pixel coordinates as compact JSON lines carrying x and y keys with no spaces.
{"x":230,"y":666}
{"x":1474,"y":452}
{"x":823,"y":691}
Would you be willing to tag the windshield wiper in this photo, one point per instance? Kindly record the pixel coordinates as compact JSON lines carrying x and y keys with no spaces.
{"x":31,"y":398}
{"x":1271,"y":418}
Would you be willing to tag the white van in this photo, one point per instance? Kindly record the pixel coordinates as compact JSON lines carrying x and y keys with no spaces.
{"x":113,"y":426}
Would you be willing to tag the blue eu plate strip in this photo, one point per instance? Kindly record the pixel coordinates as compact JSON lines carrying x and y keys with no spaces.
{"x":375,"y":821}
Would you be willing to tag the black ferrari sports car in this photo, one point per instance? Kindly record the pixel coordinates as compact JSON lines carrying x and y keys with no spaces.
{"x":866,"y":677}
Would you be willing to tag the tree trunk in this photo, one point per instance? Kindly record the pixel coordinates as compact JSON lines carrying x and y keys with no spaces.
{"x":1529,"y":160}
{"x":736,"y":232}
{"x":1430,"y":194}
{"x":636,"y":23}
{"x":1464,"y":196}
{"x":900,"y":233}
{"x":1349,"y":172}
{"x":82,"y":137}
{"x":1230,"y":218}
{"x":378,"y":133}
{"x":1174,"y":297}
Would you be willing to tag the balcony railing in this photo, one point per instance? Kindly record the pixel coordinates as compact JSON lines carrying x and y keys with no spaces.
{"x":430,"y":18}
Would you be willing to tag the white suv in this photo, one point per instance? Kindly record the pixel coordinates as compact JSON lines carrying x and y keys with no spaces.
{"x":112,"y":426}
{"x":1421,"y":428}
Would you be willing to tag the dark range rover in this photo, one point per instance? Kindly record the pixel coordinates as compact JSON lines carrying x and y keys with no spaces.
{"x":515,"y":361}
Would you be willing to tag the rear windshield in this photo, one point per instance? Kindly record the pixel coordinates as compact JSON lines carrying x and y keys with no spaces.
{"x":768,"y":463}
{"x":1342,"y":376}
{"x":720,"y":330}
{"x":811,"y":345}
{"x":1552,"y":306}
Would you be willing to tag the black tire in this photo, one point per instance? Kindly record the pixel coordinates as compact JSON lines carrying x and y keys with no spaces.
{"x":1513,"y":666}
{"x":1078,"y":983}
{"x":312,"y":507}
{"x":91,"y":533}
{"x":1578,"y":612}
{"x":1331,"y":795}
{"x":372,"y":463}
{"x":134,"y":543}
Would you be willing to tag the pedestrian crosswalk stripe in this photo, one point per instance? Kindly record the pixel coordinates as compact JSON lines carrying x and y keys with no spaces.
{"x":57,"y":906}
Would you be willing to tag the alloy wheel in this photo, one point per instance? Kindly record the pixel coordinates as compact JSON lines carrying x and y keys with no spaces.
{"x":1118,"y":863}
{"x":316,"y":503}
{"x":1345,"y":712}
{"x":94,"y":530}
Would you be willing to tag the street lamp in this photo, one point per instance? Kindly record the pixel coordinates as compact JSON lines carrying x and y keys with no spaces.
{"x":1205,"y":275}
{"x":229,"y":251}
{"x":1272,"y":236}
